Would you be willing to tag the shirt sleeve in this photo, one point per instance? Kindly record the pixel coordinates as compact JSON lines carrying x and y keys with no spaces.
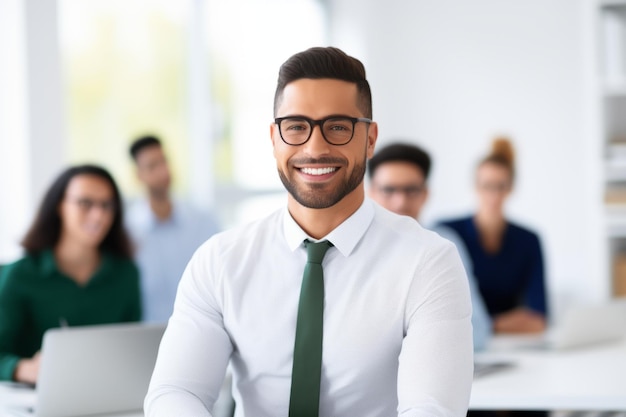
{"x":11,"y":321}
{"x":481,"y":321}
{"x":436,"y":361}
{"x":535,"y":297}
{"x":195,"y":348}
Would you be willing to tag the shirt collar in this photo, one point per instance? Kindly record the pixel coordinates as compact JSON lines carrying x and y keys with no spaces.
{"x":152,"y":219}
{"x":344,"y":237}
{"x":48,"y":263}
{"x":50,"y":269}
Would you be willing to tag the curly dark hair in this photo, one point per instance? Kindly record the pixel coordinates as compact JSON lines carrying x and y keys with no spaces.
{"x":45,"y":231}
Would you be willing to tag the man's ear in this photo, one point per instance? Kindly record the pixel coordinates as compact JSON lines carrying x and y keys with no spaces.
{"x":372,"y":136}
{"x":273,"y":133}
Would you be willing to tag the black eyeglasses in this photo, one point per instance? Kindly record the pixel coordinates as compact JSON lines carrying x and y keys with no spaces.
{"x":410,"y":191}
{"x":87,"y":204}
{"x":336,"y":130}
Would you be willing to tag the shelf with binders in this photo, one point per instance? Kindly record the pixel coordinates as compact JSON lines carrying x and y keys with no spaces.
{"x":613,"y":42}
{"x":612,"y":103}
{"x":614,"y":107}
{"x":615,"y":124}
{"x":618,"y":267}
{"x":616,"y":220}
{"x":615,"y":165}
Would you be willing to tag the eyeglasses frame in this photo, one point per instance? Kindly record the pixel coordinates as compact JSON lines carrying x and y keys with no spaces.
{"x":312,"y":123}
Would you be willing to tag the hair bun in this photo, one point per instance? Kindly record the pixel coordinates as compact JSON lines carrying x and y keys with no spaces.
{"x":502,"y":148}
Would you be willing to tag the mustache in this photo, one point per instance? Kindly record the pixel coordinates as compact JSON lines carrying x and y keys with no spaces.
{"x":326,"y":160}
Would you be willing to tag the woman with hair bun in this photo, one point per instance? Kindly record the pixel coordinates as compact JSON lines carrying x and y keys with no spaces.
{"x":507,"y":258}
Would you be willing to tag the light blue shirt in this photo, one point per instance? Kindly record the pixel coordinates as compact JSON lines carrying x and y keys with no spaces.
{"x":163,"y":249}
{"x":481,"y":322}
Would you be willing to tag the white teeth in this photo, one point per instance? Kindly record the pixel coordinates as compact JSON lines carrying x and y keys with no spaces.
{"x":318,"y":171}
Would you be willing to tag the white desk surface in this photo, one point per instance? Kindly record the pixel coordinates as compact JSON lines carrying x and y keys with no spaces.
{"x":15,"y":401}
{"x":585,"y":379}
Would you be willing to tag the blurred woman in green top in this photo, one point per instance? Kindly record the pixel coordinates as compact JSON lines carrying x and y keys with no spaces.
{"x":77,"y":270}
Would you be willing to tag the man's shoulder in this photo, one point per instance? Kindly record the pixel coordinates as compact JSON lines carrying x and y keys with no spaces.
{"x":404,"y":229}
{"x":195,"y":215}
{"x":254,"y":233}
{"x":455,"y":223}
{"x":446,"y":232}
{"x":136,"y":207}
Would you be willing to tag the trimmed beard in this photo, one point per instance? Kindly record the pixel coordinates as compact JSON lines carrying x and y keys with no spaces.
{"x":314,"y":198}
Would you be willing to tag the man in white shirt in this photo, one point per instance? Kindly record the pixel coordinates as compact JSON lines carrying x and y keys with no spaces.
{"x":397,"y":337}
{"x":166,"y":232}
{"x":398,"y":176}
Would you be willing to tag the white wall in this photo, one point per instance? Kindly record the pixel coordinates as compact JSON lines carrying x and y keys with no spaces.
{"x":450,"y":74}
{"x":32,"y":143}
{"x":14,"y":175}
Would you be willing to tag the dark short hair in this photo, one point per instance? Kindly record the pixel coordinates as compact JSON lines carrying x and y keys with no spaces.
{"x":45,"y":231}
{"x":142,"y":143}
{"x":402,"y":152}
{"x":327,"y":62}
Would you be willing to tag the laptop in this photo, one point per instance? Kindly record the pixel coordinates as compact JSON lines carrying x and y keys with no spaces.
{"x":580,"y":326}
{"x":91,"y":370}
{"x":589,"y":325}
{"x":484,"y":367}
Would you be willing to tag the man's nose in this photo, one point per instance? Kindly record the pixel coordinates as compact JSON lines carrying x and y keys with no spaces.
{"x":317,"y":145}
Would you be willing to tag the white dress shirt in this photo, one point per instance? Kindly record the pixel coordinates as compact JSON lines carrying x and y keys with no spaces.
{"x":397,"y":331}
{"x":481,"y":322}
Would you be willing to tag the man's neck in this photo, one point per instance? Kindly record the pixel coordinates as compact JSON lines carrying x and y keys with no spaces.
{"x":161,"y":206}
{"x":318,"y":223}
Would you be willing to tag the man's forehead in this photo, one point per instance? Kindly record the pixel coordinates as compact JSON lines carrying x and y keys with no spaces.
{"x":399,"y":170}
{"x":150,"y":152}
{"x":318,"y":94}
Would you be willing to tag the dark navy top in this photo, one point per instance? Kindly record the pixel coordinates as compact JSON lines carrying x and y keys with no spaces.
{"x":512,"y":277}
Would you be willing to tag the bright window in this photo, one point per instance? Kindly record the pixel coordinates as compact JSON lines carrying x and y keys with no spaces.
{"x":131,"y":67}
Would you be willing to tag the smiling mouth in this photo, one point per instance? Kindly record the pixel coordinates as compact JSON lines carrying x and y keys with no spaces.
{"x":318,"y":171}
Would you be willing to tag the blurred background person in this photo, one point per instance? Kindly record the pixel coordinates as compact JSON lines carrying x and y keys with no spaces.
{"x":166,"y":232}
{"x":398,"y":176}
{"x":78,"y":270}
{"x":507,"y":258}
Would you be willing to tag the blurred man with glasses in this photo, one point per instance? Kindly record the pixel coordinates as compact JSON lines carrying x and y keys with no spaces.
{"x":331,"y":306}
{"x":398,"y":175}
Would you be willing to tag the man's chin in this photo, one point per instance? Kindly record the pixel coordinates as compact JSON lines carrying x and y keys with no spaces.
{"x":159,"y":193}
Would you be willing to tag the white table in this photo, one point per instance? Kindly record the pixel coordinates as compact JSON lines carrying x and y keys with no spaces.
{"x":15,"y":402}
{"x":585,"y":379}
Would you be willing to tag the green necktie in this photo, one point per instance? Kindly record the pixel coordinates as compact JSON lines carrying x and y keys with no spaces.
{"x":307,"y":353}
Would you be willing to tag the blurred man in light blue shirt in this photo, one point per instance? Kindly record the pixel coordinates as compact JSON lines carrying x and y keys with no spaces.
{"x":398,"y":181}
{"x":166,"y":232}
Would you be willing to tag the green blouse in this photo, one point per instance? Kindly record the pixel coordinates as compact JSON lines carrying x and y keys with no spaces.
{"x":35,"y":296}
